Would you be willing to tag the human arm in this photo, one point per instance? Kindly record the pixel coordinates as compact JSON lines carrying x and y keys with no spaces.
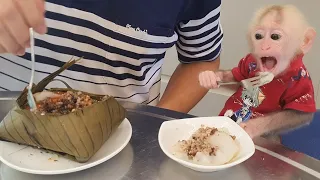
{"x":17,"y":16}
{"x":182,"y":94}
{"x":199,"y":46}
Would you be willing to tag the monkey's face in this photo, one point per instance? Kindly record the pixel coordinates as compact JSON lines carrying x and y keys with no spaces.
{"x":273,"y":46}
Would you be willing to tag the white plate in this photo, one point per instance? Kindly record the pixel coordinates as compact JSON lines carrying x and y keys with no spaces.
{"x":169,"y":169}
{"x":115,"y":168}
{"x":172,"y":131}
{"x":36,"y":161}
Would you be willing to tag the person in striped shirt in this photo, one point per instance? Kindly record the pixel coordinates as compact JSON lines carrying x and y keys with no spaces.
{"x":123,"y":44}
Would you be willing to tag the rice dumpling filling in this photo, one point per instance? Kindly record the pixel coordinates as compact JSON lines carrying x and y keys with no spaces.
{"x":199,"y":142}
{"x":62,"y":102}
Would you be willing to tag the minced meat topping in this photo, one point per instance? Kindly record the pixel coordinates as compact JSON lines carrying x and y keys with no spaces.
{"x":64,"y":103}
{"x":198,"y":142}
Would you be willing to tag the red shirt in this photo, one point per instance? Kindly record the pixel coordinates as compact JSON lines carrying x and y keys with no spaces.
{"x":291,"y":90}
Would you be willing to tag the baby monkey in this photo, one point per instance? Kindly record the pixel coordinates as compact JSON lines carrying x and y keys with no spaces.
{"x":279,"y":37}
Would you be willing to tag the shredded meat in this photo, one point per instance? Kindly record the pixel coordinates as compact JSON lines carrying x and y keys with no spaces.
{"x":198,"y":142}
{"x":65,"y":103}
{"x":233,"y":137}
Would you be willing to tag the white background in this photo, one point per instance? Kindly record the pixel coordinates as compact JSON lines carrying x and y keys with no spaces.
{"x":235,"y":16}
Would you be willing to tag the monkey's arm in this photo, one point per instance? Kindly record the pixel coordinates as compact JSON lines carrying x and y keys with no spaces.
{"x":277,"y":122}
{"x":226,"y":75}
{"x":238,"y":73}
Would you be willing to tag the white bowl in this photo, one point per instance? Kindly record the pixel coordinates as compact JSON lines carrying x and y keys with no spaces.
{"x":181,"y":129}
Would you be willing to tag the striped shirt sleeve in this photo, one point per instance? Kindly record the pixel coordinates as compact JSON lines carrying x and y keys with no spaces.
{"x":200,"y":32}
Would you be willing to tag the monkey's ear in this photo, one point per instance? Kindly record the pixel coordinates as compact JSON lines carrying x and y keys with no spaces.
{"x":309,"y":38}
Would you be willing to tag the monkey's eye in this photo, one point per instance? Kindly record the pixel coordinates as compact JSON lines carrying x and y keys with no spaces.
{"x":275,"y":36}
{"x":258,"y":36}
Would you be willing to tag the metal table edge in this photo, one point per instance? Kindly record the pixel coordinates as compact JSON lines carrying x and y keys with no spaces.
{"x":270,"y":148}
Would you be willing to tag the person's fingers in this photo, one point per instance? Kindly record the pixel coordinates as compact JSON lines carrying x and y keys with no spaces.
{"x":40,"y":6}
{"x":15,"y":24}
{"x":33,"y":13}
{"x":21,"y":52}
{"x":27,"y":44}
{"x":2,"y":49}
{"x":7,"y":41}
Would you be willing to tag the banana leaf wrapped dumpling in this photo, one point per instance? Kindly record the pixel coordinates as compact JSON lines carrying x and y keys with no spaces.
{"x":68,"y":121}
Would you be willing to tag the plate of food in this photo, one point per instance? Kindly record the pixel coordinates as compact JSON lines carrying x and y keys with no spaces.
{"x":67,"y":131}
{"x":205,"y":144}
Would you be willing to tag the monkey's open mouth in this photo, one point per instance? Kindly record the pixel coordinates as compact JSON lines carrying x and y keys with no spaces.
{"x":269,"y":62}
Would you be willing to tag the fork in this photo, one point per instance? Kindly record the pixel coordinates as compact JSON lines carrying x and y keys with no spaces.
{"x":257,"y":81}
{"x":31,"y":101}
{"x":260,"y":80}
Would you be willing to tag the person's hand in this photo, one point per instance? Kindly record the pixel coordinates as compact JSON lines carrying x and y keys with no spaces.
{"x":16,"y":17}
{"x":208,"y":79}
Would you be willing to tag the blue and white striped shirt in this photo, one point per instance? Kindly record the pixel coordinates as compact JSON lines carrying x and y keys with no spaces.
{"x":123,"y":45}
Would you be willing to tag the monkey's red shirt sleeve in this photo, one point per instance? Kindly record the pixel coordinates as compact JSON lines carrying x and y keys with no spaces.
{"x":242,"y":71}
{"x":300,"y":93}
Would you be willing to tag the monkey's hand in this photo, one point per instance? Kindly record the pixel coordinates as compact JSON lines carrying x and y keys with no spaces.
{"x":228,"y":113}
{"x":250,"y":130}
{"x":276,"y":123}
{"x":208,"y":79}
{"x":239,"y":120}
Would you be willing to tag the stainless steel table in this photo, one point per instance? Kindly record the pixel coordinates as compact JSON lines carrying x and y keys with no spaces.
{"x":143,"y":158}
